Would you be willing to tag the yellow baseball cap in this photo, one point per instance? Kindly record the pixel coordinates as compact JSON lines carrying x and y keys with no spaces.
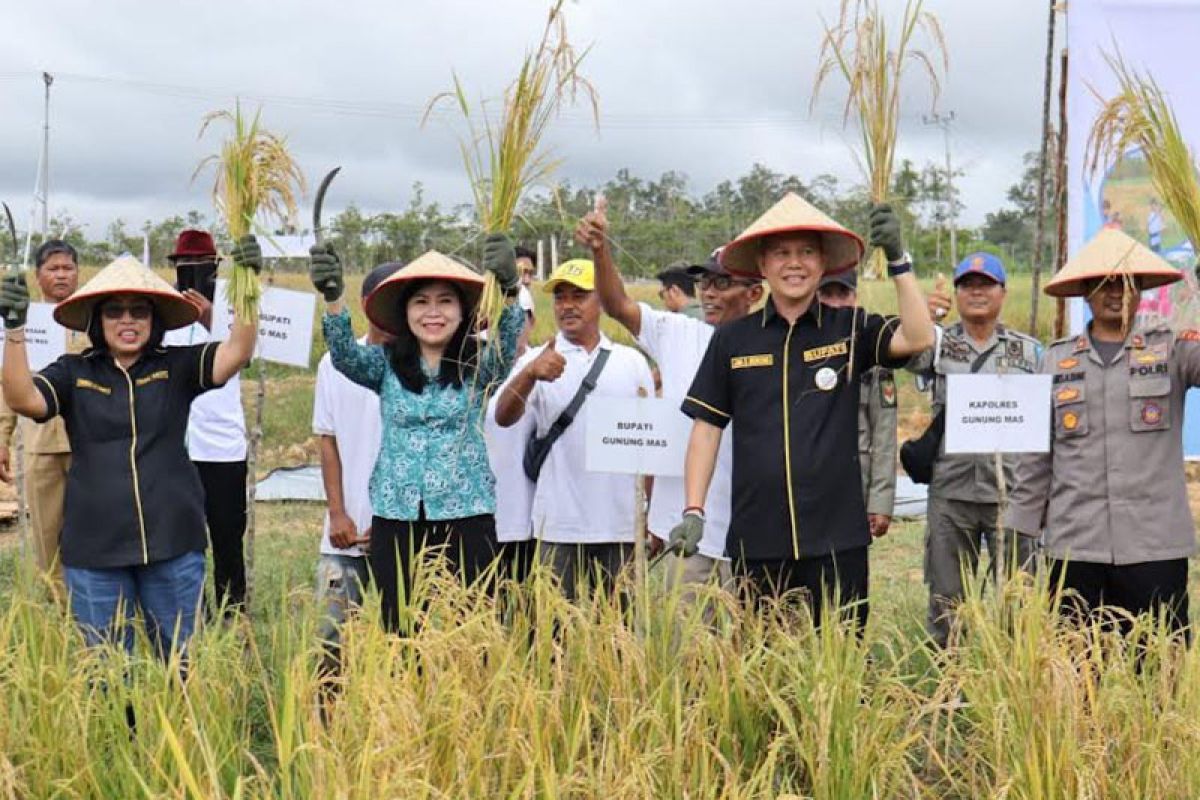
{"x":577,"y":272}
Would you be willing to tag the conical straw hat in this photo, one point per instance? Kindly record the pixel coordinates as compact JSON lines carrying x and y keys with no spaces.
{"x":126,"y":275}
{"x":383,"y":304}
{"x":843,"y":248}
{"x":1112,"y":253}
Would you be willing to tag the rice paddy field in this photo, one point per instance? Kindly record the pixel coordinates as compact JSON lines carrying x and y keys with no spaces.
{"x":637,"y":696}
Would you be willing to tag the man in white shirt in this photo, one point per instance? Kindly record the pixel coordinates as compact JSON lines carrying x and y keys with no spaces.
{"x":583,"y":521}
{"x":346,"y":422}
{"x":677,"y":343}
{"x":216,"y":434}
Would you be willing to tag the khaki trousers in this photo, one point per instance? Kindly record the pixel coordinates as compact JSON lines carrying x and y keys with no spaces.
{"x":45,"y":492}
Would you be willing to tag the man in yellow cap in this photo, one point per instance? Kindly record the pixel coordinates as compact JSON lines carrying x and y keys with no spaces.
{"x":583,"y":521}
{"x":788,"y":379}
{"x":1110,"y":497}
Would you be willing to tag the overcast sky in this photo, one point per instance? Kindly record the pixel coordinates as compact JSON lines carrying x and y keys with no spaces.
{"x":704,"y":87}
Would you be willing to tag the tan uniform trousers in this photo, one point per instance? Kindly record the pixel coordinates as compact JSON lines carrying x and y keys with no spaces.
{"x":45,"y":490}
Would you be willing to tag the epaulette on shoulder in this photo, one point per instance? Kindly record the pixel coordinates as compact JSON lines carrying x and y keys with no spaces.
{"x":1188,"y":335}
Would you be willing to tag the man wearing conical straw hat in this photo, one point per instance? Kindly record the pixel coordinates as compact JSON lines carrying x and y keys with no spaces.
{"x":133,"y":535}
{"x":787,"y":378}
{"x":1110,"y":497}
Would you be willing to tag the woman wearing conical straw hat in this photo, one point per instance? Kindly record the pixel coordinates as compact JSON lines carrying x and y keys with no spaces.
{"x":432,"y":488}
{"x":787,"y":379}
{"x":1110,"y":497}
{"x":133,"y":533}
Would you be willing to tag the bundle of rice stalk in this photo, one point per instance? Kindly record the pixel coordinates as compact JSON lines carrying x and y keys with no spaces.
{"x":861,"y":48}
{"x":254,"y":173}
{"x":1140,"y":117}
{"x":504,"y":158}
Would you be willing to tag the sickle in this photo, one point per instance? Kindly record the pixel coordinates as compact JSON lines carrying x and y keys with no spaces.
{"x":320,"y":201}
{"x":12,"y":231}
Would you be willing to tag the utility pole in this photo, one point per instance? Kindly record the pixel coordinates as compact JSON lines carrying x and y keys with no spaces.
{"x":48,"y":79}
{"x":41,"y":184}
{"x":944,"y":121}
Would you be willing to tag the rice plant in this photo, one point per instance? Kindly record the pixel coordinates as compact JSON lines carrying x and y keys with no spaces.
{"x":872,"y":58}
{"x":255,"y":173}
{"x":504,"y":158}
{"x":1139,"y":116}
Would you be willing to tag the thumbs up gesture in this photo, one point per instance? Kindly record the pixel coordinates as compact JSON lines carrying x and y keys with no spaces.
{"x":592,"y":230}
{"x":549,"y":364}
{"x":939,"y":299}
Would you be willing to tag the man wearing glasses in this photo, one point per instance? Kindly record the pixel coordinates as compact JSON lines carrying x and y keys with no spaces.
{"x":677,"y":343}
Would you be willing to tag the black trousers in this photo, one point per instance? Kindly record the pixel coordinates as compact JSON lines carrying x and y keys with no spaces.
{"x":843,"y":576}
{"x":516,"y":560}
{"x":225,"y":511}
{"x":1155,"y":587}
{"x":468,"y":545}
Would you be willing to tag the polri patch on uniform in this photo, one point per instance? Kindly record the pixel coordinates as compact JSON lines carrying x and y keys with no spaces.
{"x":1068,"y":363}
{"x":887,"y":390}
{"x":826,"y":379}
{"x":1066,"y":377}
{"x":1152,"y":413}
{"x":1081,"y":344}
{"x":828,"y":351}
{"x":1138,"y":341}
{"x":1013,"y":348}
{"x":745,"y":362}
{"x":1188,"y":335}
{"x":1070,"y":421}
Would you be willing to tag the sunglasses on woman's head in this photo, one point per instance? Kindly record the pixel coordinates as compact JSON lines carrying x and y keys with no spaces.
{"x":137,"y":311}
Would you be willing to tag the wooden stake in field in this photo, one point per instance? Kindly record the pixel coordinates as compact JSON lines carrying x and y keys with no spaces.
{"x":255,"y":174}
{"x":504,"y":159}
{"x":872,"y":60}
{"x":1140,"y":117}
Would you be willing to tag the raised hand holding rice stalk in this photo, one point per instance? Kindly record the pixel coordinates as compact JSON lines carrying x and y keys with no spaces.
{"x":503,"y":160}
{"x":255,"y":174}
{"x":860,"y":48}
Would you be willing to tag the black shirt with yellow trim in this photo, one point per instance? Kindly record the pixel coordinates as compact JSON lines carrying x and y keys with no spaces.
{"x":797,"y":485}
{"x":133,"y":496}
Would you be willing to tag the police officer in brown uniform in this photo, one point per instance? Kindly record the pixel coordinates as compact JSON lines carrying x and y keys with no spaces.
{"x":1110,"y":497}
{"x":964,"y":493}
{"x":877,"y":415}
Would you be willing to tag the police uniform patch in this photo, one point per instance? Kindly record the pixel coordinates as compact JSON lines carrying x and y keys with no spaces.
{"x":1066,"y":394}
{"x":887,"y":390}
{"x":1138,"y":341}
{"x":1081,"y":344}
{"x":1070,"y":421}
{"x":1068,"y":363}
{"x":1067,"y":377}
{"x":1152,"y":413}
{"x":1148,"y":358}
{"x":1013,"y":349}
{"x":826,"y":379}
{"x":1188,"y":335}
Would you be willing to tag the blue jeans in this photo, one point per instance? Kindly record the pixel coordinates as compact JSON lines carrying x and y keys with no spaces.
{"x":103,"y":601}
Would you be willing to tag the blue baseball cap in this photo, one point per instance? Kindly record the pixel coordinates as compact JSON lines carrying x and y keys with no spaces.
{"x":981,"y":264}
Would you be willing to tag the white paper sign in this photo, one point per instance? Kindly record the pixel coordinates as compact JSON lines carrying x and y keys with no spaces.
{"x":45,"y":339}
{"x":998,"y":413}
{"x":636,"y":436}
{"x":285,"y":324}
